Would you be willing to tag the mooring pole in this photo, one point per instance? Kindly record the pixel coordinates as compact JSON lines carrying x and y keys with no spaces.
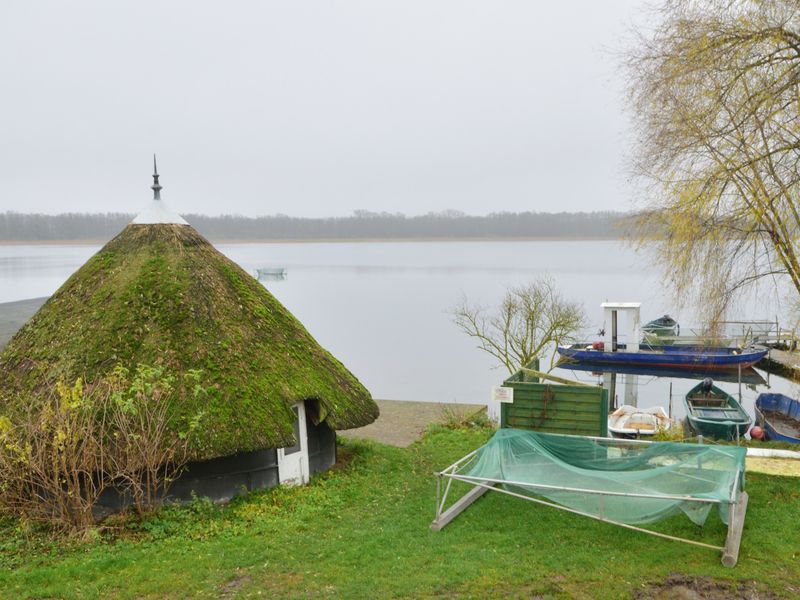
{"x":613,"y":331}
{"x":612,"y":390}
{"x":740,"y":384}
{"x":670,"y":400}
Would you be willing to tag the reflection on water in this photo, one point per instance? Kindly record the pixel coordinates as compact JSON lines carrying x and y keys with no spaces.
{"x":382,"y":308}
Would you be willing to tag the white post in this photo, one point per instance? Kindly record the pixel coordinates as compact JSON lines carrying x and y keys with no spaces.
{"x":632,"y":390}
{"x":608,"y":325}
{"x":493,"y":411}
{"x":634,"y":329}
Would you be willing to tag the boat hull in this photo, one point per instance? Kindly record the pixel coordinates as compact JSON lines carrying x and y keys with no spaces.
{"x":630,"y":422}
{"x":779,"y":416}
{"x":674,"y":357}
{"x":748,"y":374}
{"x":717,"y":415}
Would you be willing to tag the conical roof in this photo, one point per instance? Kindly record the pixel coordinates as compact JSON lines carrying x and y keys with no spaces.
{"x":160,"y":293}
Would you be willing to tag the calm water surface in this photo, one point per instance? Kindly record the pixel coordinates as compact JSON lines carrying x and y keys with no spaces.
{"x":383,"y":308}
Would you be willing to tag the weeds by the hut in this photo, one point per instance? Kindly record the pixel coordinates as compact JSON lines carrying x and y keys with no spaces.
{"x":57,"y":459}
{"x":454,"y":417}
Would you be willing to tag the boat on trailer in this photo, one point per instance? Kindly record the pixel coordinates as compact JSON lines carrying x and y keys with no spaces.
{"x":680,"y":357}
{"x":632,"y":422}
{"x":779,"y":416}
{"x":713,"y":412}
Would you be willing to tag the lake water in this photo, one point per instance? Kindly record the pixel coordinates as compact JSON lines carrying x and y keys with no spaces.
{"x":383,"y":308}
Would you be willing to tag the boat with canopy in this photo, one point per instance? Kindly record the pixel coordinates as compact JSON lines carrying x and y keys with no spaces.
{"x":675,"y":357}
{"x":610,"y":351}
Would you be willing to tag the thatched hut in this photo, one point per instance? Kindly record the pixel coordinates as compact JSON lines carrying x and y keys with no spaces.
{"x":160,"y":294}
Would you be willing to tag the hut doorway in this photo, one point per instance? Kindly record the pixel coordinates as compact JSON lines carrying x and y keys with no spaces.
{"x":293,"y":460}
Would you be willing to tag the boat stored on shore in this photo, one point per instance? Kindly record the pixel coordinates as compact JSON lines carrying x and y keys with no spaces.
{"x":779,"y":416}
{"x":713,"y":412}
{"x":683,"y":357}
{"x":631,"y":422}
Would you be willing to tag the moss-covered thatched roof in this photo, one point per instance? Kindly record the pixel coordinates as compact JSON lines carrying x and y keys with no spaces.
{"x":160,"y":294}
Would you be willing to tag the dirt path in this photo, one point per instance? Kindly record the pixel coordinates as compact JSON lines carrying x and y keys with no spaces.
{"x":402,"y":423}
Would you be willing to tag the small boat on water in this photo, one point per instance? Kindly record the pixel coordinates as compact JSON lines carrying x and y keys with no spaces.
{"x":779,"y":416}
{"x":633,"y":422}
{"x":664,"y":326}
{"x":681,"y":357}
{"x":715,"y":413}
{"x":271,"y":273}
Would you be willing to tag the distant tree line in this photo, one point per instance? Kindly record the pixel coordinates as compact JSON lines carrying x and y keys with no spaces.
{"x":361,"y":225}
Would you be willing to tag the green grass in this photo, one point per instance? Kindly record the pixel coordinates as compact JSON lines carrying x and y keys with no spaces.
{"x":361,"y":531}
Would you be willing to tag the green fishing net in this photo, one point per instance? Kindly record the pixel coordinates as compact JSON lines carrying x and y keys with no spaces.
{"x":537,"y":464}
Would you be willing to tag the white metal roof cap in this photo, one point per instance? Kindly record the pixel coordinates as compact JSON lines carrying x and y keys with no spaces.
{"x":158,"y":212}
{"x":621,"y":305}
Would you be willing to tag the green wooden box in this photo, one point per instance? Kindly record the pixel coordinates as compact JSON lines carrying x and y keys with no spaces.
{"x":555,"y":408}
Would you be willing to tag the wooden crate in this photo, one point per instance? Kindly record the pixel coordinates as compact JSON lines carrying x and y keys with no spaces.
{"x":555,"y":408}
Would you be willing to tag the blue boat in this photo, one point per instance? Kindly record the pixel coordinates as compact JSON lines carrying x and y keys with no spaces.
{"x":681,"y":357}
{"x":748,"y":374}
{"x":779,"y":416}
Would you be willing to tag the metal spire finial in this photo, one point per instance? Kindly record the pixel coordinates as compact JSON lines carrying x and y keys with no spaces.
{"x":156,"y":187}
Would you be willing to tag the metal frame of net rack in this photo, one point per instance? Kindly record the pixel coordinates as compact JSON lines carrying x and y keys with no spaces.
{"x":737,"y":501}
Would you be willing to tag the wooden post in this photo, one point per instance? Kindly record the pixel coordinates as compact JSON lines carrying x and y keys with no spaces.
{"x":736,"y":514}
{"x":460,"y":506}
{"x":740,"y":382}
{"x":670,"y":399}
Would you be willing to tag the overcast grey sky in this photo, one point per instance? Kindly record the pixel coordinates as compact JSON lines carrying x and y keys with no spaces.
{"x":313,"y":108}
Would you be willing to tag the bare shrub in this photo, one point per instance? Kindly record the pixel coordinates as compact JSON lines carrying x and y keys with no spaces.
{"x":147,"y":452}
{"x":52,"y":461}
{"x":531,"y":321}
{"x":57,"y":459}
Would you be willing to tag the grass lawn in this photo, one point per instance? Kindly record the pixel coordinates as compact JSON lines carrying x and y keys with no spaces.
{"x":361,"y":531}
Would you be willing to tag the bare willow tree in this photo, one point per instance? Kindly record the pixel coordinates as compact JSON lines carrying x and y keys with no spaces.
{"x":529,"y":323}
{"x":714,"y":90}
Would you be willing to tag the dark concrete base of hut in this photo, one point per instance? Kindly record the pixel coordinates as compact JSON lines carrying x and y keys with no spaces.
{"x":221,"y":479}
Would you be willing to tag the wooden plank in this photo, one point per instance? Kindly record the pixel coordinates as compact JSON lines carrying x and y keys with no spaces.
{"x":561,"y":410}
{"x":736,"y":514}
{"x":528,"y":392}
{"x":459,"y":506}
{"x":561,"y":403}
{"x":556,"y":414}
{"x":586,"y":431}
{"x":542,"y":375}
